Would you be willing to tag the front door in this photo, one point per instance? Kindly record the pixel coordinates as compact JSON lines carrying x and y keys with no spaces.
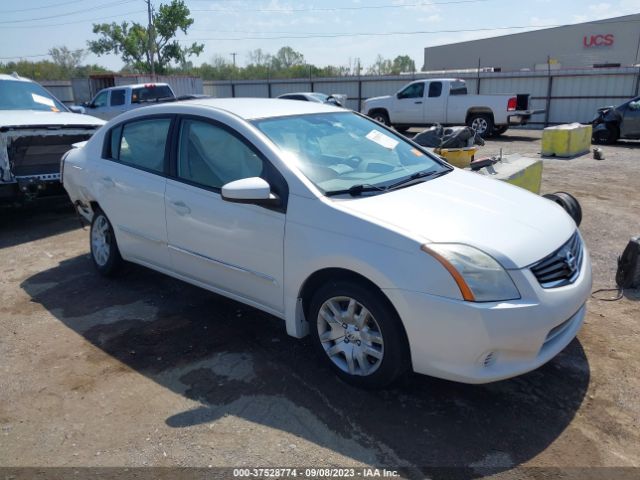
{"x":630,"y":127}
{"x":99,"y":105}
{"x":233,"y":248}
{"x":409,"y":105}
{"x":131,"y":186}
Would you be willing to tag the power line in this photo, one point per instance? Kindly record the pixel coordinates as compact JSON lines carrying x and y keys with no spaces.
{"x":106,"y":5}
{"x":41,"y":7}
{"x":76,"y":21}
{"x":334,"y":9}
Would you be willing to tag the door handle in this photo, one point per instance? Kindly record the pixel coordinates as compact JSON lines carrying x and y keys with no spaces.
{"x":418,"y":103}
{"x":108,"y":182}
{"x":181,"y":208}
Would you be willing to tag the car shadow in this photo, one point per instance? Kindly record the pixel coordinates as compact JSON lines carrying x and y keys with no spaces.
{"x":42,"y":218}
{"x":221,"y":353}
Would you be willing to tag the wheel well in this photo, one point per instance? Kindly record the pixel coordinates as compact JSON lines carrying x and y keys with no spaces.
{"x":373,"y":111}
{"x":94,"y":206}
{"x":479,"y":110}
{"x":321,"y":277}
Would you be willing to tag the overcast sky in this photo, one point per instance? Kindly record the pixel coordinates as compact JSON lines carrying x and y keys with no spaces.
{"x":29,"y":28}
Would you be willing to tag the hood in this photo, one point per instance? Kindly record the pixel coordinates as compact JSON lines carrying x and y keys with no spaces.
{"x":513,"y":225}
{"x":373,"y":99}
{"x":34,"y":118}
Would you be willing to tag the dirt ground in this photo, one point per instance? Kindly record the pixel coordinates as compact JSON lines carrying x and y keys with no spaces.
{"x":149,"y":371}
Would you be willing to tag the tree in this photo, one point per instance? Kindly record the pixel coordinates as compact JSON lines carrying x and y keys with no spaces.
{"x":131,"y":40}
{"x":403,"y":63}
{"x":286,"y":58}
{"x":67,"y":60}
{"x":381,"y":66}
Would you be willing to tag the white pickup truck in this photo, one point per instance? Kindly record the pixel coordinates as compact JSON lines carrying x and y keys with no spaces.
{"x":446,"y":101}
{"x":113,"y":101}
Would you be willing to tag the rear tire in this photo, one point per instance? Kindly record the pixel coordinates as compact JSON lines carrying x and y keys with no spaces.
{"x":501,"y":130}
{"x":482,"y":123}
{"x":401,"y":128}
{"x":358,"y":334}
{"x":104,"y":248}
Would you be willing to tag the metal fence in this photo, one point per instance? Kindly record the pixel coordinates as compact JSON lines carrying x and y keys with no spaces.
{"x":565,"y":95}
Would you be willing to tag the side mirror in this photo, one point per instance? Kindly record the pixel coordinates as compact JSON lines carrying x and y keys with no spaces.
{"x":249,"y":190}
{"x":634,"y":106}
{"x":76,"y":109}
{"x":398,"y":96}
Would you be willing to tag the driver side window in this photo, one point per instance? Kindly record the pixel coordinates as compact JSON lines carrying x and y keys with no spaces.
{"x":415,"y":90}
{"x":211,"y":156}
{"x":100,"y":100}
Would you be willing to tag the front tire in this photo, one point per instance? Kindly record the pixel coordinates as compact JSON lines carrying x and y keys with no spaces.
{"x":482,"y":123}
{"x":606,"y":137}
{"x":380,"y":116}
{"x":358,"y":334}
{"x":104,"y":249}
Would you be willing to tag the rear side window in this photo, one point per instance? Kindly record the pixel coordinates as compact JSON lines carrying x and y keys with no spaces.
{"x":141,"y":143}
{"x":150,"y":93}
{"x":435,"y":89}
{"x":117,"y":97}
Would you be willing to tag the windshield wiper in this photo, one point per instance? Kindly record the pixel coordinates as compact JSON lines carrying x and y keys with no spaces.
{"x":411,"y":179}
{"x":356,"y":190}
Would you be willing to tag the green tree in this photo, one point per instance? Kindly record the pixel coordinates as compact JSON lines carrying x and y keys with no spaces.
{"x":381,"y":66}
{"x":287,"y":58}
{"x":131,"y":41}
{"x":403,"y":63}
{"x":67,"y":60}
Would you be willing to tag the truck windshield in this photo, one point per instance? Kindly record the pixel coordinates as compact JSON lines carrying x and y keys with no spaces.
{"x":19,"y":95}
{"x":458,"y":88}
{"x":339,"y":151}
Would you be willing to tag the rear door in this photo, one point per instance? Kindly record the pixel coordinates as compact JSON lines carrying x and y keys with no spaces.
{"x":409,"y":105}
{"x":131,"y":185}
{"x":234,"y":248}
{"x":435,"y":105}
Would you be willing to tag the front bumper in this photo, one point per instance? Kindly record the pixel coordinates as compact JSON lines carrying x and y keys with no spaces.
{"x":485,"y":342}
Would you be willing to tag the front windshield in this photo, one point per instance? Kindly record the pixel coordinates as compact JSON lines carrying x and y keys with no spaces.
{"x":339,"y":151}
{"x":19,"y":95}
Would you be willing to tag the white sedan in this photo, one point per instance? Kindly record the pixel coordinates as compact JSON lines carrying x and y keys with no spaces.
{"x":389,"y":257}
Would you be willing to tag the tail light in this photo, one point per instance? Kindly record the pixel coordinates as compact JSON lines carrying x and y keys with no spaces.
{"x":512,"y":104}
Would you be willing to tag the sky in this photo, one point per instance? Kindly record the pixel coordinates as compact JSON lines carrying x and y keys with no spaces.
{"x":327,"y":32}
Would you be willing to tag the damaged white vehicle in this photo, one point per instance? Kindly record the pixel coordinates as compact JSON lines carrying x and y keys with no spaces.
{"x":35,"y":130}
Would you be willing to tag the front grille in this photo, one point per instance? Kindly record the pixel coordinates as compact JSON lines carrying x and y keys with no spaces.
{"x":562,"y":267}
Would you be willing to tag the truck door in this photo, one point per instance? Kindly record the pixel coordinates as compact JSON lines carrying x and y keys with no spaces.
{"x":435,"y":105}
{"x":409,"y":105}
{"x":117,"y":103}
{"x":98,"y":105}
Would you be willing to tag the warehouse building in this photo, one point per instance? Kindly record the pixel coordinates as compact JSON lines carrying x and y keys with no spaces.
{"x":610,"y":42}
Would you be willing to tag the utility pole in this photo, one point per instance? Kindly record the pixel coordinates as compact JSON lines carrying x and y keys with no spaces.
{"x":234,"y":58}
{"x":151,"y":34}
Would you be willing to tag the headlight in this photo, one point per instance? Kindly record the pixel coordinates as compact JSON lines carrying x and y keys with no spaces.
{"x":479,"y":277}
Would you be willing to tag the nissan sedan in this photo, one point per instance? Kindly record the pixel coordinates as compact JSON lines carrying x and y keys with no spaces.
{"x":391,"y":259}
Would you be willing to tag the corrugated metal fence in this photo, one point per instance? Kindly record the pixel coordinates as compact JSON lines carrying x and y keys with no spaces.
{"x":566,"y":95}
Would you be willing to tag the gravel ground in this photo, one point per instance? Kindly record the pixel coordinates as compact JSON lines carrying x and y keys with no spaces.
{"x":149,"y":371}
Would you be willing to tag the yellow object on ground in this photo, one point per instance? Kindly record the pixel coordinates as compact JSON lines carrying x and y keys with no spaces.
{"x":520,"y":171}
{"x":566,"y":141}
{"x":458,"y":157}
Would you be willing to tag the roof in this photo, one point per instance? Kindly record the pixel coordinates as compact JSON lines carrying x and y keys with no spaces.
{"x":17,"y":78}
{"x":253,"y":108}
{"x":136,"y":85}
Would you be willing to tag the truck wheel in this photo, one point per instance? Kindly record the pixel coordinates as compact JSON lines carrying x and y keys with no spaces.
{"x":500,"y":130}
{"x":482,"y":123}
{"x":608,"y":136}
{"x":380,"y":117}
{"x":358,"y":334}
{"x":104,"y":249}
{"x":401,"y":128}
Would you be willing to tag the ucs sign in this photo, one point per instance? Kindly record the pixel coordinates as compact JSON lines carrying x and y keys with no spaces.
{"x":591,"y":41}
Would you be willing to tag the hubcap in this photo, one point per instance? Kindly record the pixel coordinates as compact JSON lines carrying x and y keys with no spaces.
{"x":350,"y":336}
{"x":101,"y":240}
{"x":480,"y":125}
{"x":380,"y":119}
